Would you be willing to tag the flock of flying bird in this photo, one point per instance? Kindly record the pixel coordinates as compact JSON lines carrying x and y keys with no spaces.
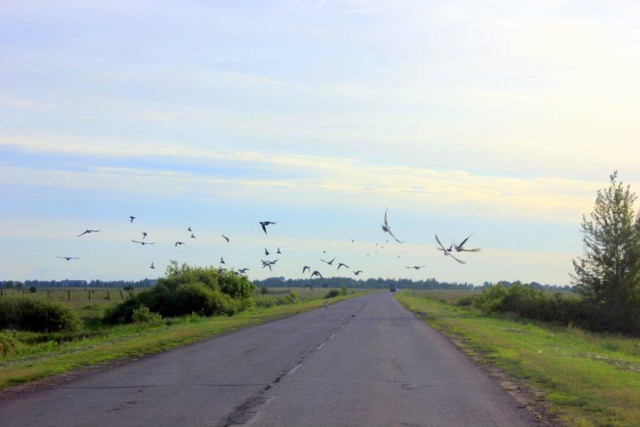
{"x":447,"y":251}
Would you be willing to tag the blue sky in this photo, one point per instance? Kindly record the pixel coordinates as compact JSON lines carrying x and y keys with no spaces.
{"x":497,"y":118}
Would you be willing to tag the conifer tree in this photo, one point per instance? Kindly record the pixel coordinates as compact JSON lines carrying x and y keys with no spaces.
{"x":607,"y":276}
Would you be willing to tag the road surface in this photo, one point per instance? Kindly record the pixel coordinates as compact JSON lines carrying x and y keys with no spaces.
{"x":362,"y":362}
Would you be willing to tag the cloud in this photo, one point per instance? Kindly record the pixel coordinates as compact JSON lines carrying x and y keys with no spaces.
{"x":314,"y":179}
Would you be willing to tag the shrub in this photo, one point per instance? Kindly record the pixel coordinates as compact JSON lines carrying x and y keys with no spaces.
{"x":332,"y":293}
{"x":142,"y":314}
{"x":36,"y":315}
{"x":33,"y":289}
{"x":186,"y":290}
{"x":7,"y":343}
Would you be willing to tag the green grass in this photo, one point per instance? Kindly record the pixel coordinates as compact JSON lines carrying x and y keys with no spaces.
{"x":589,"y":379}
{"x":40,"y":355}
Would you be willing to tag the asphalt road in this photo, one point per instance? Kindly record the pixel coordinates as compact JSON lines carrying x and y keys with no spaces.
{"x":362,"y":362}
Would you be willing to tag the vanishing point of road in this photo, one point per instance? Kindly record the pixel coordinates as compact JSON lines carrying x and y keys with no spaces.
{"x":362,"y":362}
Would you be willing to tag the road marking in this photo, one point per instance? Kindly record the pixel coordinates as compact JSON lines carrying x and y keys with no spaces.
{"x":295,"y":368}
{"x":331,"y":337}
{"x":320,"y":346}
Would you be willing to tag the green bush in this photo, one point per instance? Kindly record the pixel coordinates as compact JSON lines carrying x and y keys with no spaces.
{"x":332,"y":293}
{"x":142,"y":314}
{"x":532,"y":303}
{"x":35,"y":315}
{"x":186,"y":290}
{"x":7,"y":343}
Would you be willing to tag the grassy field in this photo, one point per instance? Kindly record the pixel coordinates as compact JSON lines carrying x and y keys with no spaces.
{"x":586,"y":379}
{"x":42,"y":355}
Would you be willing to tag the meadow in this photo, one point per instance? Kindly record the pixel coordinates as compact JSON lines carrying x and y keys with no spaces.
{"x":575,"y":377}
{"x":39,"y":355}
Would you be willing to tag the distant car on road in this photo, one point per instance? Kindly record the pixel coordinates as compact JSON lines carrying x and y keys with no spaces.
{"x":392,"y":288}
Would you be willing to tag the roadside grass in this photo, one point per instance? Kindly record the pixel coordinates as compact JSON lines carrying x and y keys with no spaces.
{"x":588,"y":379}
{"x":40,"y":355}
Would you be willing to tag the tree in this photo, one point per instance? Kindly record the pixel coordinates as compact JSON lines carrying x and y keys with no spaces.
{"x":608,"y":275}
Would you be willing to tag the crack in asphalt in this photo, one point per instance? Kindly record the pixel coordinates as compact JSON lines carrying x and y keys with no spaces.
{"x":125,"y":387}
{"x":250,"y":407}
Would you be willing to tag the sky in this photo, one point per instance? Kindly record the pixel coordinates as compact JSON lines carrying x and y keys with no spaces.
{"x":498,"y":120}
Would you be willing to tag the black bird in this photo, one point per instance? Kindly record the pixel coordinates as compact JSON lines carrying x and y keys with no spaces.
{"x":68,"y":258}
{"x":87,"y":232}
{"x":243,"y":270}
{"x":192,"y":236}
{"x":357,"y":273}
{"x":131,"y":218}
{"x":387,"y":229}
{"x":316,"y":273}
{"x":417,"y":267}
{"x":189,"y":229}
{"x":225,"y":238}
{"x":221,"y":260}
{"x":144,"y":235}
{"x":264,"y":226}
{"x":278,"y":251}
{"x":143,"y":242}
{"x":266,"y":252}
{"x":459,"y":248}
{"x":178,"y":244}
{"x":306,"y":268}
{"x":328,"y":262}
{"x":342,"y":265}
{"x":447,"y":251}
{"x":152,"y":266}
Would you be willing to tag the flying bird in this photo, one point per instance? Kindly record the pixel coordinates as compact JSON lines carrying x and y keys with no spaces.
{"x":68,"y":258}
{"x":225,"y":238}
{"x":131,"y":218}
{"x":264,"y":225}
{"x":459,"y":248}
{"x":178,"y":244}
{"x":342,"y":265}
{"x":266,"y":252}
{"x":144,"y":235}
{"x":192,"y":236}
{"x":152,"y":266}
{"x":447,"y":251}
{"x":243,"y":270}
{"x":387,"y":229}
{"x":417,"y":267}
{"x":328,"y":262}
{"x":306,"y":268}
{"x":357,"y":273}
{"x":278,"y":251}
{"x":316,"y":273}
{"x":221,"y":260}
{"x":143,"y":242}
{"x":189,"y":229}
{"x":87,"y":232}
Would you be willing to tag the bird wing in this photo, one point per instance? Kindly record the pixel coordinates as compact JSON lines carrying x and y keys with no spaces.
{"x":389,"y":231}
{"x":459,"y":260}
{"x":386,"y":223}
{"x":440,"y":243}
{"x":306,"y":267}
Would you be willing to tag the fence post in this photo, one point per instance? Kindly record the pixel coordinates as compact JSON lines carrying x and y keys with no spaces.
{"x":68,"y":294}
{"x":108,"y":295}
{"x":89,"y":292}
{"x":121,"y":295}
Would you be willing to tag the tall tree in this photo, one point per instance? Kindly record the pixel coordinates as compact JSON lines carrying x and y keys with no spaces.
{"x":608,"y":274}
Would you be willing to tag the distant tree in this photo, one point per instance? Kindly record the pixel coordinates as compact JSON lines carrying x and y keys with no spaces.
{"x":607,"y":276}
